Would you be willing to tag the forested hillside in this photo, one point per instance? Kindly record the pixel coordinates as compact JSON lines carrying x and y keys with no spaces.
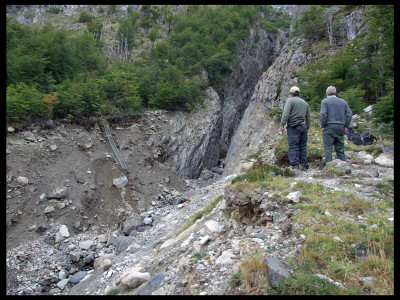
{"x":59,"y":73}
{"x":165,"y":56}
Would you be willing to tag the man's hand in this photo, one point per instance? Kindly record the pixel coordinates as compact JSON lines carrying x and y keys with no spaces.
{"x":345,"y":129}
{"x":282,"y":129}
{"x":322,"y":129}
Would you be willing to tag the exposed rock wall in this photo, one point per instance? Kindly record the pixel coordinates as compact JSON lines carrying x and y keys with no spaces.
{"x":197,"y":137}
{"x":254,"y":56}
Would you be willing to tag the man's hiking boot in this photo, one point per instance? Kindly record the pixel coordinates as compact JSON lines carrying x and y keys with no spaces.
{"x":303,"y":168}
{"x":295,"y":167}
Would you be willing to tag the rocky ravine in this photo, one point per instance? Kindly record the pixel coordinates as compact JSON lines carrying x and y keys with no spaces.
{"x":77,"y":224}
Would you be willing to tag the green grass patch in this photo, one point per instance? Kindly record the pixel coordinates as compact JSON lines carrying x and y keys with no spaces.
{"x":198,"y":215}
{"x":262,"y":172}
{"x":330,"y":221}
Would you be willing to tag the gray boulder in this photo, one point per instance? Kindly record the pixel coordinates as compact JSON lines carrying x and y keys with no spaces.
{"x":277,"y":272}
{"x":132,"y":223}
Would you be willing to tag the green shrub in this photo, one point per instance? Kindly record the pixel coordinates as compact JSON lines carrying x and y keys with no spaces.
{"x":85,"y":17}
{"x":305,"y":284}
{"x":24,"y":104}
{"x":354,"y":98}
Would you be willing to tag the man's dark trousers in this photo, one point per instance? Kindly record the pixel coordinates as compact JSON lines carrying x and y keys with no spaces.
{"x":297,"y":139}
{"x":333,"y":135}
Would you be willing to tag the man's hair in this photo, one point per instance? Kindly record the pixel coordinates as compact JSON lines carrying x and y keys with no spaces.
{"x":296,"y":94}
{"x":331,"y":90}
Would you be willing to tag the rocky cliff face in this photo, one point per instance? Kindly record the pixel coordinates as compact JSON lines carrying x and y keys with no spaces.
{"x":254,"y":54}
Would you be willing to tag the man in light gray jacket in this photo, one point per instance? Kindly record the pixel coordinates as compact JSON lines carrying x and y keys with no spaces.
{"x":335,"y":118}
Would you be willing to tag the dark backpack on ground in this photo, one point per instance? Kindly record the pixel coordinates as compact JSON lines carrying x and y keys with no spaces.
{"x":364,"y":139}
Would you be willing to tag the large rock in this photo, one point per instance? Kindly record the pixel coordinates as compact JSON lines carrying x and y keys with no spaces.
{"x":133,"y":277}
{"x":254,"y":55}
{"x":294,"y":196}
{"x":385,"y":160}
{"x":213,"y":226}
{"x":277,"y":271}
{"x":152,"y":285}
{"x":225,"y":258}
{"x":77,"y":277}
{"x":132,"y":223}
{"x":103,"y":262}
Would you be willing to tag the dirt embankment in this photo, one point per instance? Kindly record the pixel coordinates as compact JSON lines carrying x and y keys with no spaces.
{"x":64,"y":174}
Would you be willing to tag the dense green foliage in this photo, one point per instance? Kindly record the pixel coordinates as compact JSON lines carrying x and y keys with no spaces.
{"x":362,"y":70}
{"x":165,"y":53}
{"x":72,"y":66}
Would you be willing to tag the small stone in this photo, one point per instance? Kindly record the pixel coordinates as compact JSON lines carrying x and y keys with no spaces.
{"x":62,"y":283}
{"x":49,"y":209}
{"x":103,"y":262}
{"x":86,"y":245}
{"x":337,"y":239}
{"x":120,"y":182}
{"x":148,"y":220}
{"x":58,"y":193}
{"x":64,"y":231}
{"x":74,"y":256}
{"x":294,"y":196}
{"x":22,"y":180}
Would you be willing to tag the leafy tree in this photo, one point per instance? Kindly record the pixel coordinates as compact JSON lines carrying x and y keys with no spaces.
{"x":128,"y":28}
{"x":167,"y":18}
{"x":311,"y":23}
{"x":149,"y":15}
{"x":95,"y":27}
{"x":88,"y":54}
{"x":383,"y":111}
{"x":50,"y":100}
{"x":153,"y":34}
{"x":80,"y":98}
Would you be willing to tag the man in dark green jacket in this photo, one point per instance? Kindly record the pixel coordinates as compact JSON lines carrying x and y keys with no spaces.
{"x":335,"y":119}
{"x":297,"y":115}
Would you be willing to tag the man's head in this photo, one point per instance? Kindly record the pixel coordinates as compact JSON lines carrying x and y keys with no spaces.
{"x":331,"y":90}
{"x":294,"y":91}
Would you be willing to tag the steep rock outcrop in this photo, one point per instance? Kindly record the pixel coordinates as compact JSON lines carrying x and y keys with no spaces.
{"x":255,"y":53}
{"x":198,"y":136}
